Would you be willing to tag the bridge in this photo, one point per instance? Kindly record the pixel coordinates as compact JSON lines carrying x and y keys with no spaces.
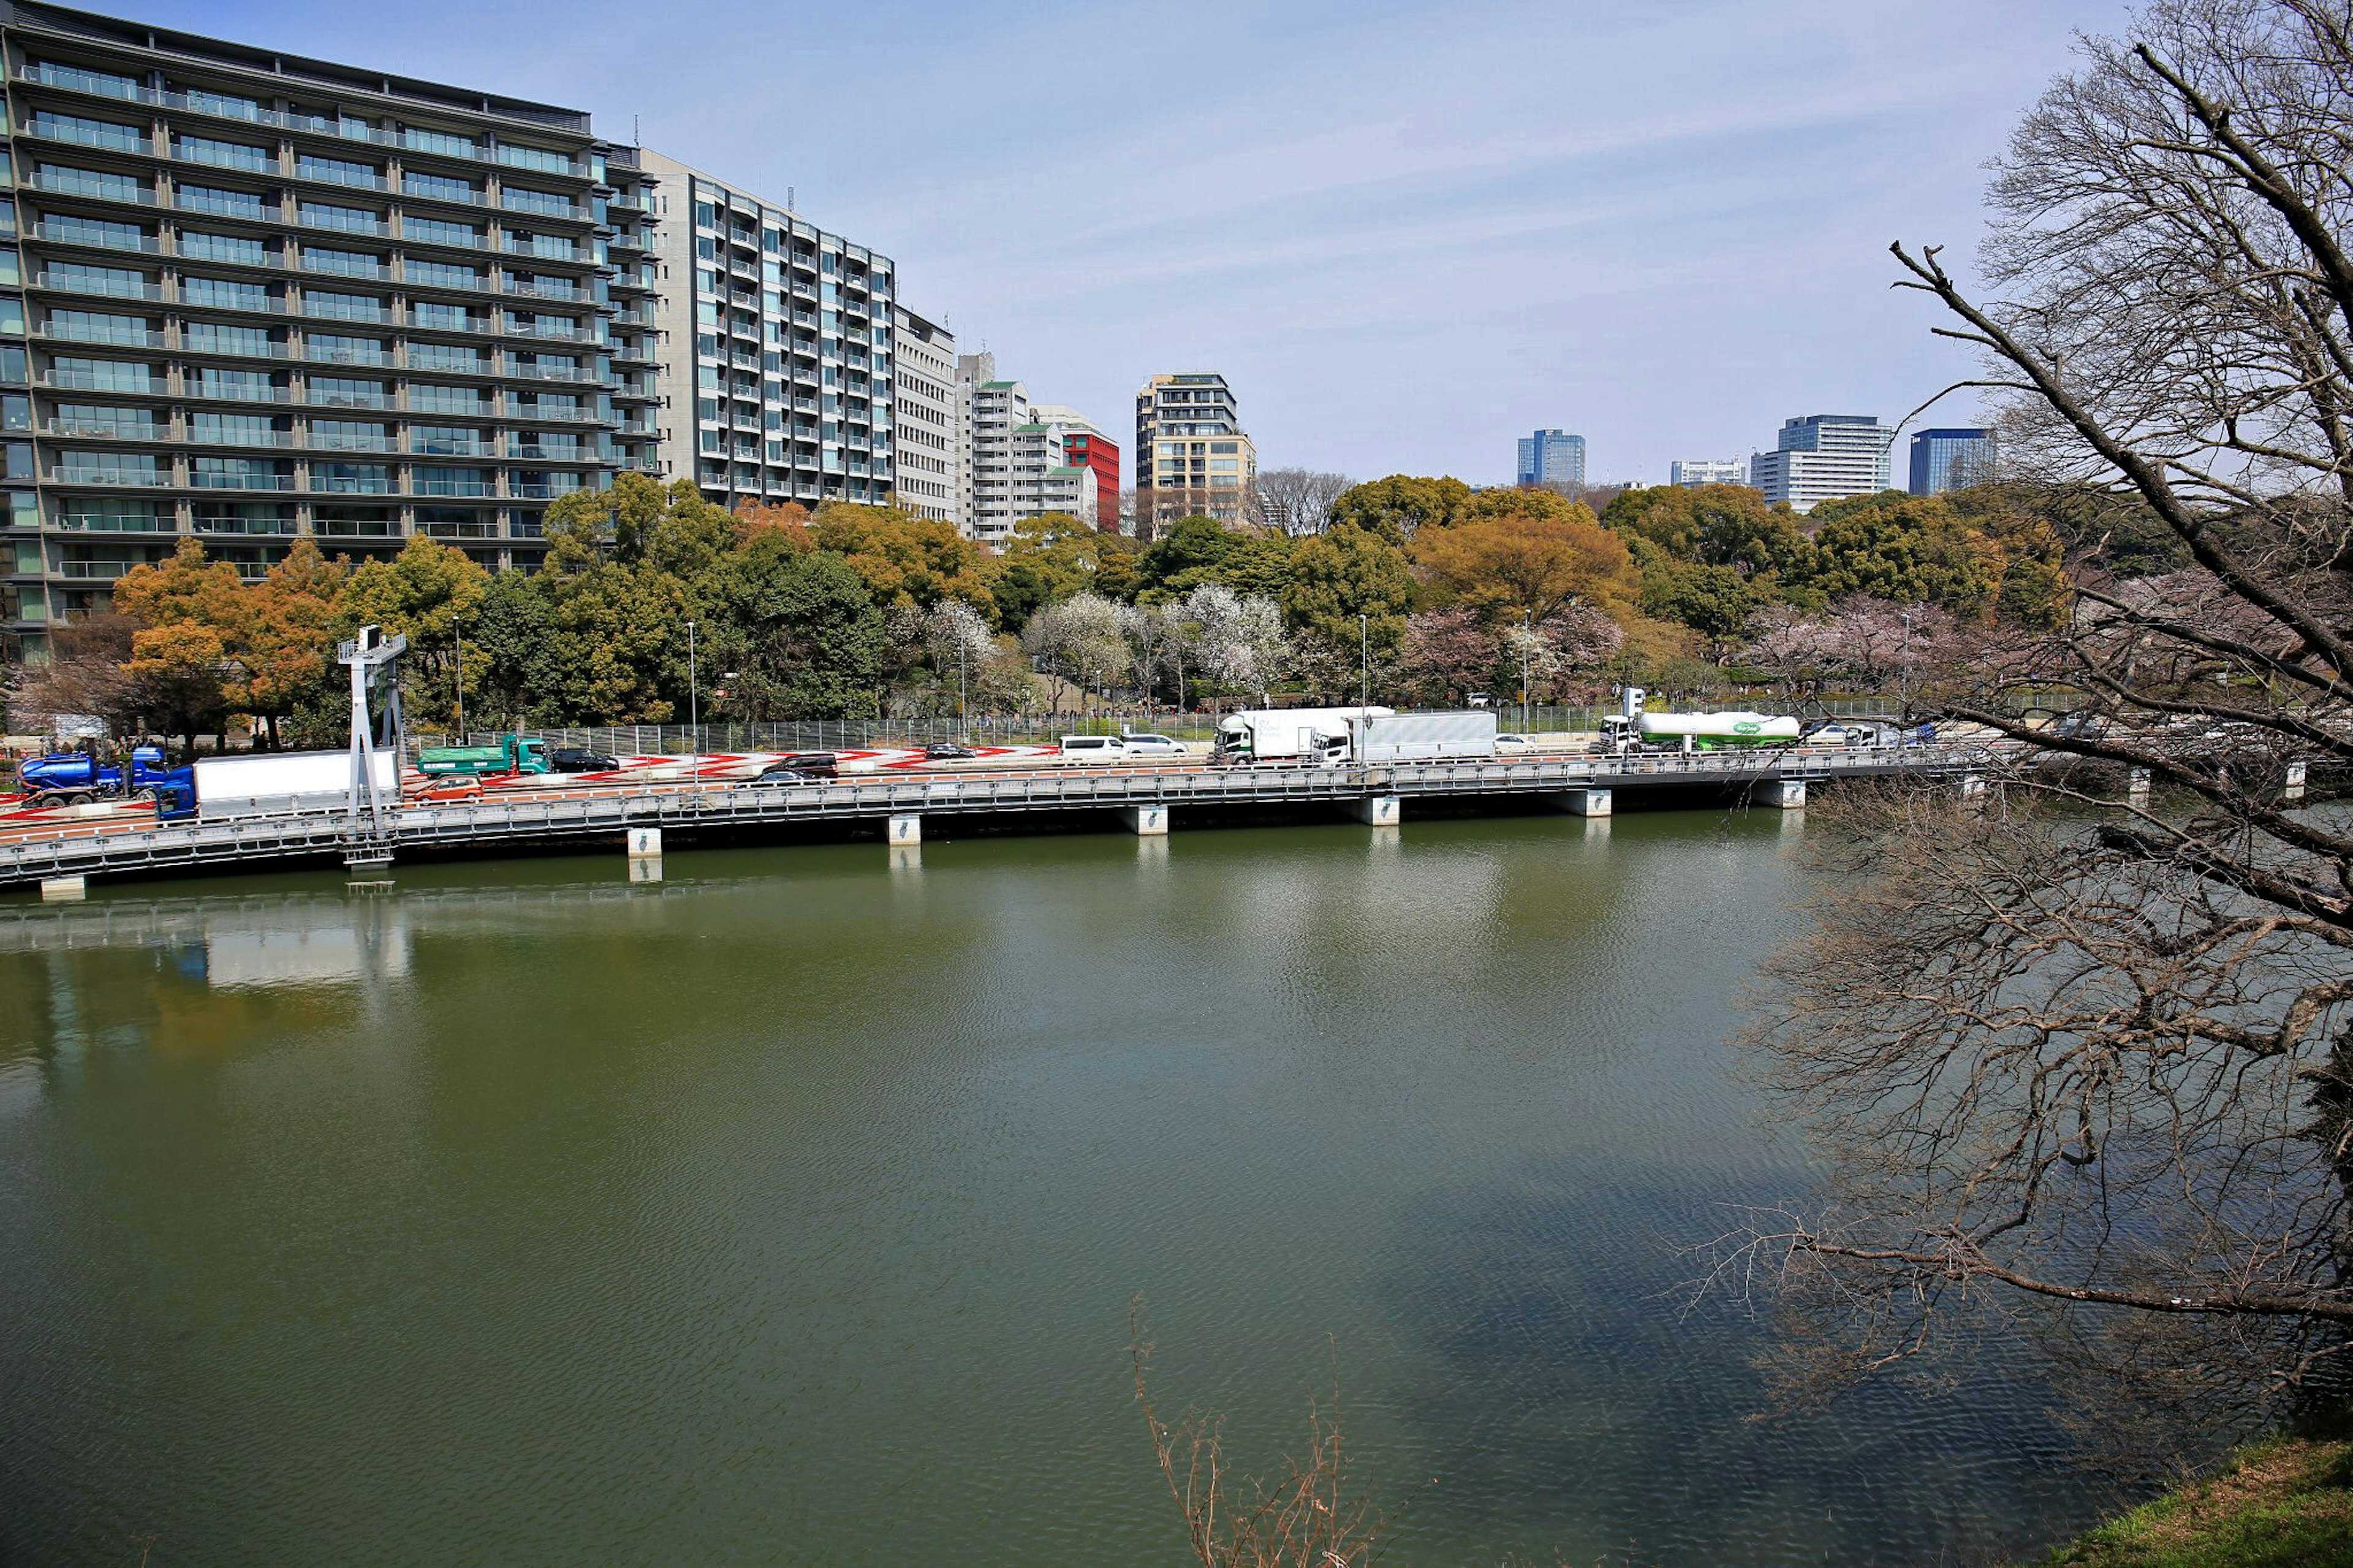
{"x":1148,"y":798}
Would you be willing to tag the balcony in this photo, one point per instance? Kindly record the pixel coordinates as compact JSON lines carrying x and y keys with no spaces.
{"x":411,"y":192}
{"x":108,"y":429}
{"x":231,"y":348}
{"x":84,"y":381}
{"x":95,"y":570}
{"x":378,"y":359}
{"x":110,"y":523}
{"x":96,"y":83}
{"x":101,"y":288}
{"x":214,"y":436}
{"x":107,"y":337}
{"x":235,"y":392}
{"x":249,"y":164}
{"x":331,"y":486}
{"x":136,"y":477}
{"x":220,"y":206}
{"x":426,"y":484}
{"x":378,"y":273}
{"x":104,"y":138}
{"x":349,"y":179}
{"x":373,"y":316}
{"x":337,"y":223}
{"x":333,"y":443}
{"x":64,"y":185}
{"x":542,"y":373}
{"x":202,"y":480}
{"x":250,"y":304}
{"x":566,"y":290}
{"x":315,"y":398}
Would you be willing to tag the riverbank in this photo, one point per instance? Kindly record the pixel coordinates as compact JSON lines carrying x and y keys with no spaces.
{"x":2283,"y":1503}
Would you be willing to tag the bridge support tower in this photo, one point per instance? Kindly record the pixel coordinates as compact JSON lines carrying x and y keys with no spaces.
{"x":1584,"y":802}
{"x":1146,"y":821}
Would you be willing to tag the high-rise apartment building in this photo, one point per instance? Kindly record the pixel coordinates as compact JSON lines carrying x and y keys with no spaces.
{"x":780,"y":334}
{"x":929,"y":429}
{"x":1191,"y":456}
{"x":1552,"y":457}
{"x":1044,"y":478}
{"x":1822,"y":457}
{"x":994,"y":410}
{"x":253,"y":298}
{"x":1951,"y":460}
{"x":1691,"y":473}
{"x":1085,"y":447}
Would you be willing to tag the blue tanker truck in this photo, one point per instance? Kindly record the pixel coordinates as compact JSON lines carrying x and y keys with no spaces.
{"x":78,"y":778}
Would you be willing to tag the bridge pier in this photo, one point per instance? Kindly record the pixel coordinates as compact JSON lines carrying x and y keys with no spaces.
{"x":2136,"y":785}
{"x":1584,"y":802}
{"x":645,"y":868}
{"x":904,"y":828}
{"x":1379,"y":810}
{"x":1146,"y":821}
{"x":906,"y":858}
{"x":1782,"y":794}
{"x":64,"y":890}
{"x":1972,"y":787}
{"x":2292,"y":789}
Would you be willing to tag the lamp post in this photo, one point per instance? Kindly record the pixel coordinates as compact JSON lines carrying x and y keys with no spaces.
{"x":964,"y":724}
{"x":1527,"y":631}
{"x":694,"y":713}
{"x":1365,"y":648}
{"x":1904,"y":677}
{"x":458,"y":629}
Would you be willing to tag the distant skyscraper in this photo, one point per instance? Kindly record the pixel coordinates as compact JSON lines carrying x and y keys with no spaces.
{"x":1822,"y":457}
{"x":1950,"y":461}
{"x":1552,"y":457}
{"x":1708,"y":471}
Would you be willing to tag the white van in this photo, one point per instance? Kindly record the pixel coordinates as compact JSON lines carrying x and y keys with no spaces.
{"x":1119,"y":748}
{"x":1151,"y":746}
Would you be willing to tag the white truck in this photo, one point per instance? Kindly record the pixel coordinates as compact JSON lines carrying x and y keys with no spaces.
{"x":1332,"y":737}
{"x":1634,"y":728}
{"x":253,"y":784}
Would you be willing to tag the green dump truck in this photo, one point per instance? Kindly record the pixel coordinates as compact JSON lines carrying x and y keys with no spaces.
{"x":510,"y":754}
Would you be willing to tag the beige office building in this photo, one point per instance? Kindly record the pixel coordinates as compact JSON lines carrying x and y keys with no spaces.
{"x":1192,"y":457}
{"x":930,"y":427}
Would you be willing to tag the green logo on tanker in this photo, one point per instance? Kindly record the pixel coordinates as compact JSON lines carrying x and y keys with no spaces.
{"x":1745,"y":727}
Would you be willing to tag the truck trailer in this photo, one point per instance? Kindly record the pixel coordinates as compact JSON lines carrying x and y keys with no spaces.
{"x":256,"y":782}
{"x":1294,"y":737}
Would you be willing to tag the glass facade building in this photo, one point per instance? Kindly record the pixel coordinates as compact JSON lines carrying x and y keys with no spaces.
{"x":1551,"y":457}
{"x":249,"y":299}
{"x":1951,"y":460}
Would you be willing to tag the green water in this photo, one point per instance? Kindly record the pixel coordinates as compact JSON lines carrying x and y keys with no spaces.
{"x":789,"y":1210}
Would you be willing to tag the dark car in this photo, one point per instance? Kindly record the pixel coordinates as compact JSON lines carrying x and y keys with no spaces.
{"x":823,"y":764}
{"x":779,"y":774}
{"x":573,"y":760}
{"x":948,"y":752}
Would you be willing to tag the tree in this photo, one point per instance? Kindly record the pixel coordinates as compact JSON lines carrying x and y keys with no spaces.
{"x":902,"y":558}
{"x":800,"y":630}
{"x":1236,"y":642}
{"x":2075,"y":1050}
{"x":1298,"y":501}
{"x":1396,"y":507}
{"x":1904,"y":548}
{"x":83,"y":674}
{"x":422,"y":593}
{"x":1713,"y":525}
{"x":190,"y":612}
{"x":1526,"y":555}
{"x":1188,"y":552}
{"x":1079,"y":640}
{"x":286,"y":640}
{"x":1337,"y":576}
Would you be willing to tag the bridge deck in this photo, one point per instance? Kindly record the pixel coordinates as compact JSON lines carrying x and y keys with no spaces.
{"x":115,"y":849}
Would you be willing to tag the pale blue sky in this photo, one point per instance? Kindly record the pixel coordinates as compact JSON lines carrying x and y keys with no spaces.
{"x":1407,"y":233}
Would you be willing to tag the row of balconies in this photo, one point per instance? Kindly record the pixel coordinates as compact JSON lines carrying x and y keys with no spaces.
{"x":183,"y":340}
{"x":520,"y":446}
{"x":47,"y":229}
{"x":381,"y":481}
{"x":177,"y":289}
{"x":225,"y":108}
{"x":196,"y":390}
{"x":507,"y":198}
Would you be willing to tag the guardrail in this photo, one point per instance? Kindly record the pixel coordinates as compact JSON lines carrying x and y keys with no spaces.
{"x":104,"y":846}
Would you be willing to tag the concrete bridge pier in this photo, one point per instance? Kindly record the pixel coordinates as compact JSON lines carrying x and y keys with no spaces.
{"x":1584,"y":802}
{"x":64,"y":890}
{"x":1379,"y":810}
{"x":2136,"y":785}
{"x":1146,"y":821}
{"x":905,"y":827}
{"x":1972,"y":788}
{"x":1782,"y":794}
{"x":2292,"y":789}
{"x":906,"y":858}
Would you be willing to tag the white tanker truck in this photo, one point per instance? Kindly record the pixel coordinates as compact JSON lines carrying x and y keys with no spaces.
{"x":1630,"y":728}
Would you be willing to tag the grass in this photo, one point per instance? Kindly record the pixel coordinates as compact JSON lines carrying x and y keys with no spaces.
{"x":2287,"y":1503}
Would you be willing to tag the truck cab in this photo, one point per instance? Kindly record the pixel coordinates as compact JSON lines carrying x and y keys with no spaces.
{"x":510,"y":754}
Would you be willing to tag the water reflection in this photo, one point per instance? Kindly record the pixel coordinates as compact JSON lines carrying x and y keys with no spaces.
{"x":789,"y":1205}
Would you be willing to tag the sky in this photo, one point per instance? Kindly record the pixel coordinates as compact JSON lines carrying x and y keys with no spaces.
{"x":1407,"y":234}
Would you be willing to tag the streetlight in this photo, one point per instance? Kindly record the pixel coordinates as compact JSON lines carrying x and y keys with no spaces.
{"x":458,"y":627}
{"x":694,"y":713}
{"x":1904,"y":677}
{"x":1365,"y":649}
{"x":1527,"y":632}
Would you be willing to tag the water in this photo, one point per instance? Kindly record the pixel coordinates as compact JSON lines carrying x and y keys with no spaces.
{"x":789,"y":1211}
